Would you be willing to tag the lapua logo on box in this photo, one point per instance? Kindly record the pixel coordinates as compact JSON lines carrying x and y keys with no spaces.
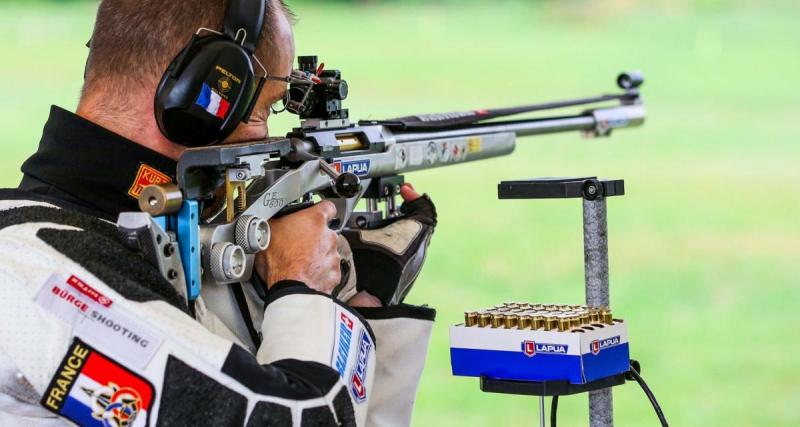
{"x":531,"y":348}
{"x":598,"y":345}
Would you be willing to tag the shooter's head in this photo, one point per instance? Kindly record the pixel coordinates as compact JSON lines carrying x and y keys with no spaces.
{"x":135,"y":40}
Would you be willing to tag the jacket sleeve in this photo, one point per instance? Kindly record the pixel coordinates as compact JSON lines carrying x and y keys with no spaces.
{"x":403,"y":334}
{"x":90,"y":343}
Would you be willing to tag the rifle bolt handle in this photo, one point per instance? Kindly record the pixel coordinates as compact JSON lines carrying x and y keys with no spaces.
{"x":347,"y":185}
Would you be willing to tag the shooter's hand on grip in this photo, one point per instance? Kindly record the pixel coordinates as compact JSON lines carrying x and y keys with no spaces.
{"x":302,"y":248}
{"x":388,"y":259}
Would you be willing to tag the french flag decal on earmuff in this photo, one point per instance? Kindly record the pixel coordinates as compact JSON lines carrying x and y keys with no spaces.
{"x":212,"y":102}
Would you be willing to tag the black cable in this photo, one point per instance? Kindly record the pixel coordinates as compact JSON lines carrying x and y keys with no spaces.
{"x":241,"y":302}
{"x":553,"y":410}
{"x":650,"y":395}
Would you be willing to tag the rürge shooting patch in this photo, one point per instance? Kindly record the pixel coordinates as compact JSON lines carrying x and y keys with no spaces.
{"x":94,"y":317}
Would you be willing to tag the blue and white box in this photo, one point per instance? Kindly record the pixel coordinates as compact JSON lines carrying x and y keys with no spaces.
{"x":538,"y":355}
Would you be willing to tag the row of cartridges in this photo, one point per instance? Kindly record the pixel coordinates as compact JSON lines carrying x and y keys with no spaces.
{"x":548,"y":317}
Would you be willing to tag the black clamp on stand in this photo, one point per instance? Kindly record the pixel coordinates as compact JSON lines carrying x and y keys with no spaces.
{"x":594,"y":192}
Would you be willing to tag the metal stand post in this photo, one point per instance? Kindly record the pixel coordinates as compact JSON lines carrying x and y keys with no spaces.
{"x":595,"y":254}
{"x":541,"y":412}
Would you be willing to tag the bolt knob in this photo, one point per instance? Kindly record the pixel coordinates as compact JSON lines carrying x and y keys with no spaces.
{"x":227,"y":262}
{"x":347,"y":185}
{"x":252,"y":233}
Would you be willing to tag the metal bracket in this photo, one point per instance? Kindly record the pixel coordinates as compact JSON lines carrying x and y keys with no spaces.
{"x":141,"y":232}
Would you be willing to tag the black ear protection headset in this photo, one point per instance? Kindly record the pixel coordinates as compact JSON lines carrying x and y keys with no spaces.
{"x":210,"y":87}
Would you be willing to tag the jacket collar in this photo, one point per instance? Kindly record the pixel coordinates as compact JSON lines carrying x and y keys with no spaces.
{"x":102,"y":170}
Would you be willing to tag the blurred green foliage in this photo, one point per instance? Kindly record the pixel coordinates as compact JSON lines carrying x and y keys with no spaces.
{"x":704,"y":258}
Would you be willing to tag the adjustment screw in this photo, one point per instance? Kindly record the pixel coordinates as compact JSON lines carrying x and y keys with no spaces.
{"x":227,"y":262}
{"x":252,"y":233}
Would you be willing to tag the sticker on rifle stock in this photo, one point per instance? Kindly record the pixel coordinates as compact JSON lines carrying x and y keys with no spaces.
{"x":356,"y":167}
{"x":444,"y":151}
{"x":431,"y":154}
{"x":91,"y":389}
{"x":458,"y":151}
{"x":147,"y":175}
{"x":401,"y":158}
{"x":474,"y":145}
{"x":416,"y":154}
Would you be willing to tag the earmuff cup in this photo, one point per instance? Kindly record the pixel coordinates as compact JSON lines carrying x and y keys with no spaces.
{"x":206,"y":92}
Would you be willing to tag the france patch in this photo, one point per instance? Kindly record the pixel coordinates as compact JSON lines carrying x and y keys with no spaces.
{"x":91,"y":389}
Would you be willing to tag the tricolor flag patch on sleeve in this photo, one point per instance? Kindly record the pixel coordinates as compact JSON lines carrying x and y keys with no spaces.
{"x":212,"y":102}
{"x":92,"y":389}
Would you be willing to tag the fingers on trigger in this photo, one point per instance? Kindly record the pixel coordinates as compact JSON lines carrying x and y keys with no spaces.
{"x":408,"y":193}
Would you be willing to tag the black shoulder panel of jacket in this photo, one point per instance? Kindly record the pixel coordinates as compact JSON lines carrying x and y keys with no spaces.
{"x":56,"y":199}
{"x":118,"y":267}
{"x":270,"y":414}
{"x":191,"y":398}
{"x":96,"y":248}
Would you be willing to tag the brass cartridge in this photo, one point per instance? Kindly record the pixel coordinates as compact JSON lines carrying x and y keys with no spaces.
{"x":537,"y":322}
{"x":550,"y":323}
{"x":498,"y":320}
{"x":574,"y":321}
{"x":525,"y":322}
{"x":470,"y":319}
{"x":511,"y":321}
{"x":606,"y":317}
{"x":563,"y":323}
{"x":585,"y":318}
{"x":484,"y":319}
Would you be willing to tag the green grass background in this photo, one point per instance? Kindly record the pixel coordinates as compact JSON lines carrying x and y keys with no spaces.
{"x":704,"y":247}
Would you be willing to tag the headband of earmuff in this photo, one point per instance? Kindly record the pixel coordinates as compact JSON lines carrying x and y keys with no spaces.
{"x":210,"y":86}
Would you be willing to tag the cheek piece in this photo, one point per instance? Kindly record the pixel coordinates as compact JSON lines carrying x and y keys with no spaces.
{"x":210,"y":86}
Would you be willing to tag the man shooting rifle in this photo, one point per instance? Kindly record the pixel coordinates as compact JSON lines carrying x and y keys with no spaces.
{"x":95,"y":334}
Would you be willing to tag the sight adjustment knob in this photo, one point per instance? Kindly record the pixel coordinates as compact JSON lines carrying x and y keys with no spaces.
{"x":337,"y":89}
{"x":252,"y":233}
{"x":227,"y":262}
